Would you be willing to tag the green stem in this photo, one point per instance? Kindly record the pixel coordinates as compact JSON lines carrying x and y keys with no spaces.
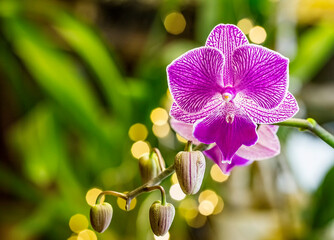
{"x":311,"y":125}
{"x":116,"y":194}
{"x":162,"y":190}
{"x":188,"y":147}
{"x":153,"y":182}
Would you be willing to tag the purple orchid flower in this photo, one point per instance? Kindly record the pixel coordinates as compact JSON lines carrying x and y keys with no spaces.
{"x":228,"y":87}
{"x":267,"y":146}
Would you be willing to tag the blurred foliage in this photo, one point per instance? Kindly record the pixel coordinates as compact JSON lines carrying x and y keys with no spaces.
{"x":75,"y":75}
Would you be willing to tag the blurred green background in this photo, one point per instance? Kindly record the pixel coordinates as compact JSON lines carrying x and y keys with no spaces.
{"x":84,"y":93}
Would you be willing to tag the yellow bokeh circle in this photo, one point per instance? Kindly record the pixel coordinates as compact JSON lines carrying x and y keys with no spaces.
{"x":138,"y":132}
{"x":78,"y":222}
{"x":140,"y":148}
{"x":175,"y":23}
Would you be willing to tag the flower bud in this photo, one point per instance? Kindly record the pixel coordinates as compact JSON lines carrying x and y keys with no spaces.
{"x":149,"y":166}
{"x":161,"y":217}
{"x":190,"y":168}
{"x":100,"y":216}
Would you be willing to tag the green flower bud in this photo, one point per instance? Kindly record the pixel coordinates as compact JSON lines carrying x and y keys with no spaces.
{"x":100,"y":216}
{"x":190,"y":168}
{"x":161,"y":217}
{"x":149,"y":166}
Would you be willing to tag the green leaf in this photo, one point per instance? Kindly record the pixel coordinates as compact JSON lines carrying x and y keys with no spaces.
{"x":56,"y":74}
{"x":89,"y":46}
{"x":323,"y":211}
{"x":314,"y":50}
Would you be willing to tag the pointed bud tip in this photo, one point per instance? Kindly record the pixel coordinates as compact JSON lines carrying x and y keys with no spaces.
{"x":100,"y":216}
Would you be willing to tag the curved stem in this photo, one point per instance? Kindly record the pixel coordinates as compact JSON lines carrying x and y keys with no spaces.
{"x":116,"y":194}
{"x":155,"y":181}
{"x":162,"y":190}
{"x":311,"y":125}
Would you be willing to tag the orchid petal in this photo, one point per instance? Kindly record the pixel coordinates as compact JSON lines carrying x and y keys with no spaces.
{"x":181,"y":115}
{"x":195,"y":77}
{"x":215,"y":154}
{"x":226,"y":38}
{"x":185,"y":130}
{"x":267,"y":146}
{"x":260,"y":74}
{"x":287,"y":109}
{"x":229,"y":128}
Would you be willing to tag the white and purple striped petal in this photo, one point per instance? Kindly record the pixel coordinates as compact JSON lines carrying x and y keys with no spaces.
{"x":260,"y":74}
{"x":226,"y":38}
{"x":285,"y":110}
{"x":181,"y":115}
{"x":195,"y":78}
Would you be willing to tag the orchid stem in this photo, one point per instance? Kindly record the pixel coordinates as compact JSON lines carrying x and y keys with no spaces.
{"x":162,"y":190}
{"x":151,"y":184}
{"x":116,"y":194}
{"x":311,"y":125}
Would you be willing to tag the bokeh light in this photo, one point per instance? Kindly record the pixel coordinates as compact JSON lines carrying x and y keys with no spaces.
{"x":175,"y":23}
{"x":87,"y":235}
{"x":197,"y":222}
{"x":161,"y":131}
{"x":173,"y":179}
{"x":121,"y":204}
{"x":257,"y":34}
{"x":78,"y":222}
{"x":91,"y":196}
{"x":139,"y":148}
{"x":159,"y":116}
{"x":176,"y":192}
{"x":245,"y":25}
{"x":206,"y":208}
{"x":217,"y":174}
{"x":220,"y":206}
{"x":188,"y":208}
{"x":75,"y":237}
{"x":181,"y":139}
{"x":138,"y":132}
{"x":208,"y":200}
{"x":164,"y":237}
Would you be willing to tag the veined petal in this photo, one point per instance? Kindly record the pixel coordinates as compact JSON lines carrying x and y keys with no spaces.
{"x":184,"y":129}
{"x":260,"y":74}
{"x":267,"y":146}
{"x":285,"y":110}
{"x":195,"y":77}
{"x":215,"y":154}
{"x":226,"y":38}
{"x":228,"y":127}
{"x":181,"y":115}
